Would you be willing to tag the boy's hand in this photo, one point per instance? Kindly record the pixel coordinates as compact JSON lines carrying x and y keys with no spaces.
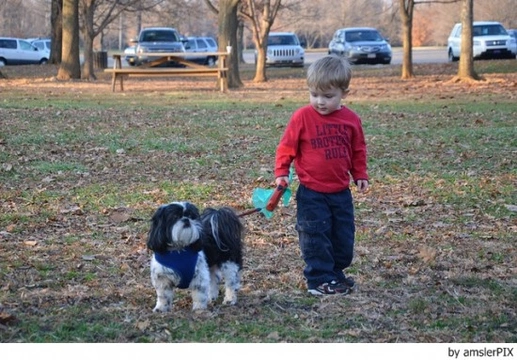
{"x":362,"y":185}
{"x":280,"y":179}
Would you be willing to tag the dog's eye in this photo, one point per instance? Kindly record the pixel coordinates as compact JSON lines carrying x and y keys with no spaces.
{"x":190,"y":214}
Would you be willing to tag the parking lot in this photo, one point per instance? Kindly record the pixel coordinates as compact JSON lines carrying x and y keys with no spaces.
{"x":420,"y":56}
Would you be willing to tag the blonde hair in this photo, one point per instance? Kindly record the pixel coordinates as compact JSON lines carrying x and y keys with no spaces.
{"x":328,"y":72}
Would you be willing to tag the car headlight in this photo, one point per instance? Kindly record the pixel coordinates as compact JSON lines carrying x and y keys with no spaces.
{"x":476,"y":43}
{"x":142,"y":49}
{"x":269,"y":52}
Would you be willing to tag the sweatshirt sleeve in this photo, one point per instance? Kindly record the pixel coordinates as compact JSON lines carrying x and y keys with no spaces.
{"x":359,"y":160}
{"x":286,"y":149}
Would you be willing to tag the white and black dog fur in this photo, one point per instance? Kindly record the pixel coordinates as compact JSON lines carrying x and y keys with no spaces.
{"x":193,"y":250}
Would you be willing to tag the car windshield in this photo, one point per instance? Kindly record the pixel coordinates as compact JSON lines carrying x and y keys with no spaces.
{"x":24,"y":45}
{"x":275,"y":40}
{"x":159,"y":35}
{"x":191,"y":44}
{"x":489,"y":30}
{"x":364,"y":35}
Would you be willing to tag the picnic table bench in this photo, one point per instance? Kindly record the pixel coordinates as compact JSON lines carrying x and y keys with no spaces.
{"x":151,"y":68}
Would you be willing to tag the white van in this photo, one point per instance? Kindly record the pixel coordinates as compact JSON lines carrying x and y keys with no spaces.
{"x":15,"y":51}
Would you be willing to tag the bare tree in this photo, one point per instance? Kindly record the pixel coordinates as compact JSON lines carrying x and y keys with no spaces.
{"x":70,"y":67}
{"x":406,"y":14}
{"x":466,"y":67}
{"x":228,"y":24}
{"x":406,"y":8}
{"x":261,"y":15}
{"x":96,"y":15}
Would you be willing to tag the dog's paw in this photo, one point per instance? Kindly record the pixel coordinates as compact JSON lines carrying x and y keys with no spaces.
{"x":230,"y":297}
{"x":161,"y":309}
{"x":199,"y":306}
{"x":230,"y":301}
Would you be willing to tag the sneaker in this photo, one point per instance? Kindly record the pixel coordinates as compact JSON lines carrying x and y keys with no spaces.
{"x":348,"y":281}
{"x":330,"y":288}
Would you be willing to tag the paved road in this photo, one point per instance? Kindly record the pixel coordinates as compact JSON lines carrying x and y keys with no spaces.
{"x":420,"y":56}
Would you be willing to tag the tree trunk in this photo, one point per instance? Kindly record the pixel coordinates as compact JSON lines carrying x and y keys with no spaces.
{"x":70,"y":67}
{"x":466,"y":67}
{"x":88,"y":10}
{"x":260,"y":23}
{"x":260,"y":62}
{"x":228,"y":24}
{"x":56,"y":20}
{"x":240,"y":42}
{"x":406,"y":14}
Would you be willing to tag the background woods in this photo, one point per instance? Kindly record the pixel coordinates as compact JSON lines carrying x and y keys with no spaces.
{"x":314,"y":21}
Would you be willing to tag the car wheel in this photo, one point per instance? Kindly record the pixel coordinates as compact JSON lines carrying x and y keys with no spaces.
{"x":210,"y":61}
{"x":2,"y":63}
{"x":43,"y":61}
{"x":452,"y":58}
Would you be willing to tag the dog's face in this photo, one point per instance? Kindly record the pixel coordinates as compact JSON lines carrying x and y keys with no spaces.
{"x":174,"y":226}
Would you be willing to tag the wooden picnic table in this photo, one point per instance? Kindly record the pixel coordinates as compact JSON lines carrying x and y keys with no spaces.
{"x":154,"y":67}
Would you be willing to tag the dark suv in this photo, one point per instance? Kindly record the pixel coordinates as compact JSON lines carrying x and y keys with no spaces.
{"x":361,"y":45}
{"x":157,"y":40}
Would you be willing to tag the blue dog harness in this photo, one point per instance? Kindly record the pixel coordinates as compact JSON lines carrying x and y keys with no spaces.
{"x":183,"y":262}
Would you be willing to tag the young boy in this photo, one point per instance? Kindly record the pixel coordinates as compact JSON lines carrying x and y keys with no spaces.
{"x":326,"y":142}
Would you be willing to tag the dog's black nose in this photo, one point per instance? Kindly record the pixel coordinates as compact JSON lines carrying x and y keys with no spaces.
{"x":186,"y":222}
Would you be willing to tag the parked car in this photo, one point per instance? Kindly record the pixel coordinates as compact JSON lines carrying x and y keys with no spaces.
{"x":284,"y":49}
{"x":130,"y":55}
{"x":490,"y":41}
{"x":14,"y":51}
{"x":513,"y":34}
{"x":361,"y":45}
{"x":156,"y":39}
{"x":43,"y":44}
{"x":201,"y":45}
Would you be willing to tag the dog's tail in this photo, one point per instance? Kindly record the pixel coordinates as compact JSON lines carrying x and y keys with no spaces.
{"x":225,"y":227}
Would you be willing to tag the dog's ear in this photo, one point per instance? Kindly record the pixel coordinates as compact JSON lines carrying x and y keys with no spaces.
{"x":156,"y":240}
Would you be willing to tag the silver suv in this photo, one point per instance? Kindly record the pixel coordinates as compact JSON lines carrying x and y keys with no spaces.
{"x":156,"y":39}
{"x":490,"y":41}
{"x":201,"y":45}
{"x":361,"y":45}
{"x":284,"y":49}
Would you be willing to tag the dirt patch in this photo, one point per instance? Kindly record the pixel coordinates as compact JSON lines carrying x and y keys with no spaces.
{"x":369,"y":83}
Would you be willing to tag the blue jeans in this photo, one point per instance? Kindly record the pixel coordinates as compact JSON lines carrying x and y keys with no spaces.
{"x":326,"y":231}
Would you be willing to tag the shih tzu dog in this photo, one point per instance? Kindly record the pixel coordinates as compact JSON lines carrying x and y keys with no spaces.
{"x":194,"y":251}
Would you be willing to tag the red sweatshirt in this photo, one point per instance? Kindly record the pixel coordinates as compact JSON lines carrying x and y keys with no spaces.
{"x":326,"y":149}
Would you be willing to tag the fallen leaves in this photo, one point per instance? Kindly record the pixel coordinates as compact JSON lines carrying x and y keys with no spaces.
{"x":7,"y":319}
{"x":427,"y":254}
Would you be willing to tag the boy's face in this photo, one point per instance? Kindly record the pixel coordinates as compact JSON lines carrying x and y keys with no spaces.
{"x":326,"y":101}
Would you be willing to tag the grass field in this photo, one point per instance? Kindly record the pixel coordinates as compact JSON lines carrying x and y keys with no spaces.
{"x":82,"y":169}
